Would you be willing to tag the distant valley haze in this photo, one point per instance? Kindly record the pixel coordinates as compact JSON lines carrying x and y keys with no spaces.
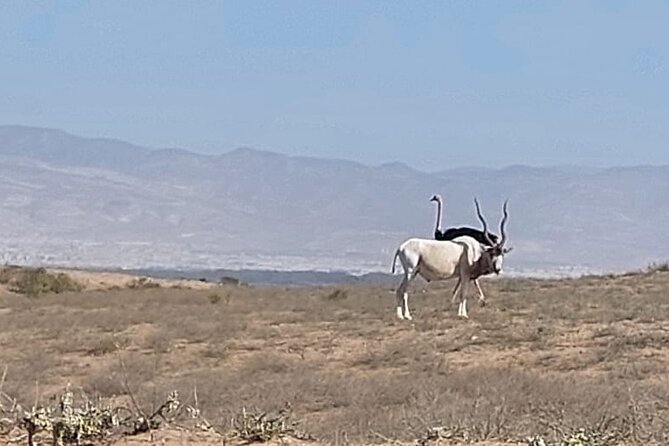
{"x":73,"y":201}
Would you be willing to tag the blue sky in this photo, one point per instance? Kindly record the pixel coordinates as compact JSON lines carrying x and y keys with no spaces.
{"x":434,"y":84}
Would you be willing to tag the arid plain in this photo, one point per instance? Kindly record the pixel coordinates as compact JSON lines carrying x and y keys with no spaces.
{"x":544,"y":358}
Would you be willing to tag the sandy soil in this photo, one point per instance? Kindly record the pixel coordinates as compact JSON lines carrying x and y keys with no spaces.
{"x":99,"y":280}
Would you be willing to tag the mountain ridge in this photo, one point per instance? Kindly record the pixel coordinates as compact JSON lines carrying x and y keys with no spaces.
{"x":79,"y":201}
{"x":245,"y":150}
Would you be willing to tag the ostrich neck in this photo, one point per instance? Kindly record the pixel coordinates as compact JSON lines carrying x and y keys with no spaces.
{"x":438,"y":228}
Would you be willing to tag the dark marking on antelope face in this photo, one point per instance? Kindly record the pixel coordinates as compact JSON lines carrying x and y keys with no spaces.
{"x":492,"y":260}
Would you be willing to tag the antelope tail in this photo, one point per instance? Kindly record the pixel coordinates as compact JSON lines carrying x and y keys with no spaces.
{"x":397,"y":253}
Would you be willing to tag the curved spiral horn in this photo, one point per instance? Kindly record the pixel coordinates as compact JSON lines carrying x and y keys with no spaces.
{"x":502,"y":224}
{"x":485,"y":225}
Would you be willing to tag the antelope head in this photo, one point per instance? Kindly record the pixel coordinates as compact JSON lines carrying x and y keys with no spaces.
{"x":493,"y":256}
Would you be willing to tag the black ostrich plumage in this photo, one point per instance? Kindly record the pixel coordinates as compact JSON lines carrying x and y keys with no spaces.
{"x":477,"y":234}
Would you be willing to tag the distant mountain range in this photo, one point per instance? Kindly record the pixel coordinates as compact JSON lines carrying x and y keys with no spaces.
{"x":77,"y":201}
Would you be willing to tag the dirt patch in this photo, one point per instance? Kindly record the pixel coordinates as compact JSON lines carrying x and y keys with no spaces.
{"x":95,"y":280}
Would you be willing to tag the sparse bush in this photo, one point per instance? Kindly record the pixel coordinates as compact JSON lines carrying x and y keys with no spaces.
{"x":254,"y":427}
{"x":158,"y":342}
{"x":108,"y":344}
{"x":33,"y":282}
{"x":228,"y":280}
{"x":658,"y":267}
{"x":337,"y":294}
{"x":142,"y":283}
{"x":67,"y":423}
{"x":214,"y":298}
{"x":8,"y":273}
{"x":435,"y":434}
{"x":216,"y":351}
{"x":535,"y":441}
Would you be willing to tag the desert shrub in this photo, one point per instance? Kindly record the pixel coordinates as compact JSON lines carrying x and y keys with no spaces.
{"x":142,"y":283}
{"x":8,"y":273}
{"x":217,"y":350}
{"x":228,"y":280}
{"x":337,"y":294}
{"x":67,"y":421}
{"x":34,"y":282}
{"x":255,"y":427}
{"x":658,"y":267}
{"x":214,"y":298}
{"x":108,"y":344}
{"x":219,"y":296}
{"x":158,"y":342}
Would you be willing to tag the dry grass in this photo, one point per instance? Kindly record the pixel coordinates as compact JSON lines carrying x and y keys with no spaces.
{"x":544,"y":358}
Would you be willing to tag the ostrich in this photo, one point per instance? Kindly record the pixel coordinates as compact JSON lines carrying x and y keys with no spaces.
{"x":451,"y":233}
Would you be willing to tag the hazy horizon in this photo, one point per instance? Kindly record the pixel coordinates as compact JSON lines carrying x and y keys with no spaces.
{"x":444,"y":85}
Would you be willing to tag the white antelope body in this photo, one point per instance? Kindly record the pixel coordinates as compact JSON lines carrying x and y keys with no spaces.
{"x":464,"y":258}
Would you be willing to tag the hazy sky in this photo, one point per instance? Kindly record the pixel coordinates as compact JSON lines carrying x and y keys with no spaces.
{"x":435,"y":84}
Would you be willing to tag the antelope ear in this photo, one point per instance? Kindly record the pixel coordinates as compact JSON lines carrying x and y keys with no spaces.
{"x":507,"y":250}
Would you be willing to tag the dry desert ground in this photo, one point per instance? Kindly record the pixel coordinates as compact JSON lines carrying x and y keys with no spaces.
{"x":549,"y":358}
